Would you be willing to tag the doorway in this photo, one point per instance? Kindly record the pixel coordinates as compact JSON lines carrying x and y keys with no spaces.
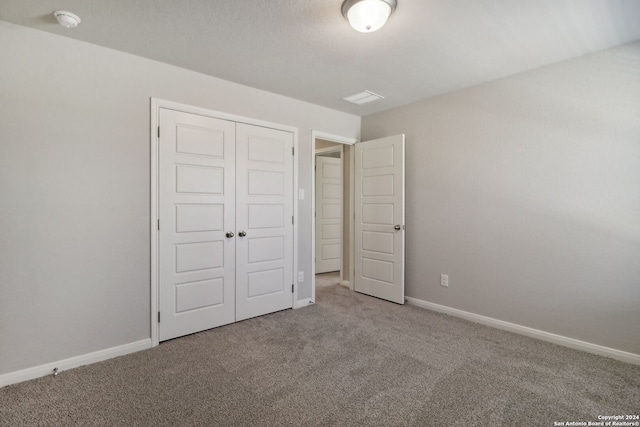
{"x":372,"y":214}
{"x":329,"y":215}
{"x":332,"y":211}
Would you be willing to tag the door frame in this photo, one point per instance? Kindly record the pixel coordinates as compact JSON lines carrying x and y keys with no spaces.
{"x":344,"y":141}
{"x":156,"y":104}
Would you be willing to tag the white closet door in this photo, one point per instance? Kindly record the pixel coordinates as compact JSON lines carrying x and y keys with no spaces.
{"x":196,"y":209}
{"x":328,"y":213}
{"x":264,"y":214}
{"x":379,"y":223}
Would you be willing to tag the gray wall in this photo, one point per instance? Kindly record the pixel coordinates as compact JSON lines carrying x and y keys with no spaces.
{"x":526,"y":191}
{"x":75,"y":187}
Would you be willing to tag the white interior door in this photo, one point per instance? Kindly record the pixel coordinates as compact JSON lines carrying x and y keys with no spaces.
{"x":264,"y":220}
{"x":328,"y":213}
{"x":196,"y":208}
{"x":379,"y":222}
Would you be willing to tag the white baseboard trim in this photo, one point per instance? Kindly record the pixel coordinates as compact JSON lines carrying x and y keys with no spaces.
{"x":530,"y":332}
{"x":73,"y":362}
{"x":302,"y":303}
{"x":346,"y":284}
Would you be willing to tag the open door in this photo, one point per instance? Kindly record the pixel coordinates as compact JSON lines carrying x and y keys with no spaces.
{"x":379,"y":218}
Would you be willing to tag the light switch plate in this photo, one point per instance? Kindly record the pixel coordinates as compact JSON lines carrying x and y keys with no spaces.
{"x":444,"y":280}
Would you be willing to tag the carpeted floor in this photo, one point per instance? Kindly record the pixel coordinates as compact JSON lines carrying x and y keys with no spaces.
{"x":349,"y":360}
{"x":327,"y":279}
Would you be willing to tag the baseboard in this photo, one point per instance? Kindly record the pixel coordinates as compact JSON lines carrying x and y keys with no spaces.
{"x":346,"y":284}
{"x":530,"y":332}
{"x":73,"y":362}
{"x":303,"y":303}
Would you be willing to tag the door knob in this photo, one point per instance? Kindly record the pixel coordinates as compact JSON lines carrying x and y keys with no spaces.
{"x":397,"y":227}
{"x":242,"y":233}
{"x":230,"y":234}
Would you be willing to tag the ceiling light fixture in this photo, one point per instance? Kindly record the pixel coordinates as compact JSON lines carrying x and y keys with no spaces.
{"x":368,"y":16}
{"x":67,"y":19}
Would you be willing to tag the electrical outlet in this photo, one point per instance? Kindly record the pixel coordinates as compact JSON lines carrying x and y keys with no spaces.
{"x":300,"y":276}
{"x":444,"y":280}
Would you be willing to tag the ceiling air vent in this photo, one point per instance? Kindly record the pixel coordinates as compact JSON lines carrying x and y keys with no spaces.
{"x":363,"y":97}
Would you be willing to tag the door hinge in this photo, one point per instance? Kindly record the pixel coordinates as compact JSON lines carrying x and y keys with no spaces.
{"x":292,"y":288}
{"x":158,"y":131}
{"x":158,"y":317}
{"x":292,"y":219}
{"x":158,"y":224}
{"x":293,"y":151}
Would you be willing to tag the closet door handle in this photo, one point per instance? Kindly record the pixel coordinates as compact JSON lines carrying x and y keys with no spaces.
{"x":230,"y":234}
{"x":242,"y":233}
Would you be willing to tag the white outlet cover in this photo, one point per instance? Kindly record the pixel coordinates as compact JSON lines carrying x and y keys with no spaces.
{"x":301,"y":194}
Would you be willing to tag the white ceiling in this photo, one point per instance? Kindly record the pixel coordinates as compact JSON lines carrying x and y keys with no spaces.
{"x":305,"y":49}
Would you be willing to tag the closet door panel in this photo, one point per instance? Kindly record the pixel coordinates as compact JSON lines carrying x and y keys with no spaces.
{"x":264,"y":212}
{"x":196,"y":198}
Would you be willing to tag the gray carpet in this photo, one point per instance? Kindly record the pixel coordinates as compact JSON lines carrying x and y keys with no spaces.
{"x":349,"y":360}
{"x":327,"y":279}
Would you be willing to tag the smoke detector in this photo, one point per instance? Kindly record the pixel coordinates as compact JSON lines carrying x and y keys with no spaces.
{"x":67,"y":19}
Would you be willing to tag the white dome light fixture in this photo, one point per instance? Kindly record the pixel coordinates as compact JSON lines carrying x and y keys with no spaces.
{"x":368,"y":16}
{"x":67,"y":19}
